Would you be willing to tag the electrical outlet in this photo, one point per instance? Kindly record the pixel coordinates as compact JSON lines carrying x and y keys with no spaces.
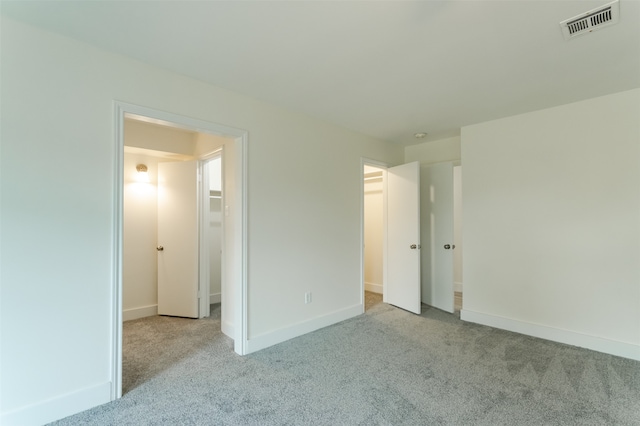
{"x":307,"y":297}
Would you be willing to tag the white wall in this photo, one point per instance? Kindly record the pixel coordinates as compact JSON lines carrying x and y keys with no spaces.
{"x":206,"y":143}
{"x":161,"y":138}
{"x":432,"y":152}
{"x":304,"y":185}
{"x":551,"y":223}
{"x":140,"y":228}
{"x":373,"y":232}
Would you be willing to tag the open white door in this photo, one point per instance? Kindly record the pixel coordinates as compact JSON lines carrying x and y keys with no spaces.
{"x":178,"y":239}
{"x":437,"y":235}
{"x":402,"y":272}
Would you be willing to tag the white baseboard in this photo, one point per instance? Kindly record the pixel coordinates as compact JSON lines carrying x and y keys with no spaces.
{"x":141,"y":312}
{"x":58,"y":407}
{"x":278,"y":336}
{"x":599,"y":344}
{"x":215,"y":298}
{"x":374,"y":288}
{"x":457,"y":286}
{"x":227,"y":328}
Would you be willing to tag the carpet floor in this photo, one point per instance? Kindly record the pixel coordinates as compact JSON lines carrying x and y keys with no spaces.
{"x":385,"y":367}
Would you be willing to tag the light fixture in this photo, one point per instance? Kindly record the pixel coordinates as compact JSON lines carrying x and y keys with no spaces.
{"x":143,"y":176}
{"x":420,"y":135}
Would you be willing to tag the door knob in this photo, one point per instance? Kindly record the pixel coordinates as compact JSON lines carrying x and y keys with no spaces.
{"x":447,"y":246}
{"x":414,"y":246}
{"x":159,"y":248}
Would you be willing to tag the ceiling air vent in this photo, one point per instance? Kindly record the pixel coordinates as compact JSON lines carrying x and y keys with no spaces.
{"x":592,"y":20}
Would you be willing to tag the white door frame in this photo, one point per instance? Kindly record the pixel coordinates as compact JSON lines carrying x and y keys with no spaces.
{"x":374,"y":163}
{"x":239,"y":234}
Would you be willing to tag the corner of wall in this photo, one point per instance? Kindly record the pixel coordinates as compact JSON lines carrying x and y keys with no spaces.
{"x":278,"y":336}
{"x":58,"y":407}
{"x":599,"y":344}
{"x":435,"y":151}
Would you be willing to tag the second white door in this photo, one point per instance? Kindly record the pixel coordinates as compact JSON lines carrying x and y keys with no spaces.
{"x":437,"y":234}
{"x":178,"y":239}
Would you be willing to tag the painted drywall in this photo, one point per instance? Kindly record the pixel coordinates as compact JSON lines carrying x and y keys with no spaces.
{"x":551,"y":228}
{"x":205,"y":144}
{"x":304,"y":186}
{"x":160,"y":138}
{"x":140,"y":229}
{"x":432,"y":152}
{"x":373,"y":232}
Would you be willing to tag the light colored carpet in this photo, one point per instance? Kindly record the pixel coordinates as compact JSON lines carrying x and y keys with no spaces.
{"x":386,"y":367}
{"x":371,"y":300}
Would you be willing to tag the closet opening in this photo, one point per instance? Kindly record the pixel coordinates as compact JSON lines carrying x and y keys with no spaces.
{"x":373,"y":215}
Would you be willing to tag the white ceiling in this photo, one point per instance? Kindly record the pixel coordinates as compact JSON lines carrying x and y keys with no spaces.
{"x":384,"y":68}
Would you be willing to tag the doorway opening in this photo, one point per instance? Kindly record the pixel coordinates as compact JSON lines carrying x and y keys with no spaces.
{"x":394,"y":225}
{"x":153,"y":139}
{"x":172,"y":242}
{"x":151,"y":154}
{"x":437,"y":241}
{"x":213,"y":222}
{"x":373,"y":217}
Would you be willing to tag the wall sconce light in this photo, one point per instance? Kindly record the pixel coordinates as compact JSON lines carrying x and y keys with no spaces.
{"x":143,"y":176}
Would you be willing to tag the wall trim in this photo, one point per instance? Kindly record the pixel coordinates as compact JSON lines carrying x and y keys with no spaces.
{"x":58,"y":407}
{"x":281,"y":335}
{"x":140,"y":312}
{"x":227,"y":328}
{"x":599,"y":344}
{"x":215,"y":298}
{"x":372,"y":287}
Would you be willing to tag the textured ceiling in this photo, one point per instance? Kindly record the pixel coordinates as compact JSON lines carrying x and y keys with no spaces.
{"x":388,"y":69}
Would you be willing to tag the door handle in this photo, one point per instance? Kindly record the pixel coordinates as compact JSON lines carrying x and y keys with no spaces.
{"x":414,"y":246}
{"x":447,"y":246}
{"x":160,"y":248}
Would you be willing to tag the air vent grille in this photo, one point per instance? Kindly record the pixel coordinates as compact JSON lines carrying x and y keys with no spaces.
{"x":601,"y":18}
{"x":590,"y":21}
{"x":578,"y":26}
